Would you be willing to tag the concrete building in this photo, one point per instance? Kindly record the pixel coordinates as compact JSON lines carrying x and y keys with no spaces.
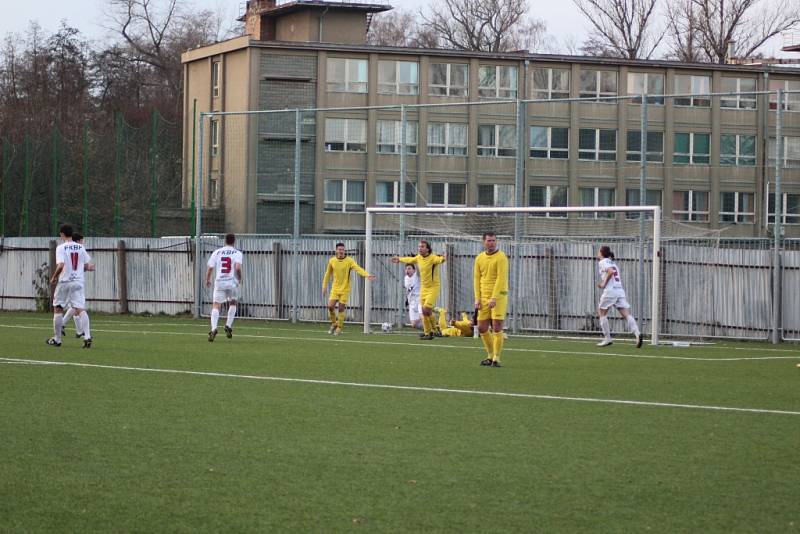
{"x":710,"y":160}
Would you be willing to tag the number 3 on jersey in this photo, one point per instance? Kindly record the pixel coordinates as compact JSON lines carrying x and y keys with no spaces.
{"x":226,"y":264}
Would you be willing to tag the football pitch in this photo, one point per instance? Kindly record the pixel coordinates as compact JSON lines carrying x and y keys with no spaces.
{"x":285,"y":428}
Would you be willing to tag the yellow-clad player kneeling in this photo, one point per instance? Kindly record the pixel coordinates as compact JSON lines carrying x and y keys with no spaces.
{"x":491,"y":297}
{"x":340,"y":266}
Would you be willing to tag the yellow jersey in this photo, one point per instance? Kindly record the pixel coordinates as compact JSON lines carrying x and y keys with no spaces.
{"x":340,"y":269}
{"x":426,"y":266}
{"x":464,"y":325}
{"x":491,"y":275}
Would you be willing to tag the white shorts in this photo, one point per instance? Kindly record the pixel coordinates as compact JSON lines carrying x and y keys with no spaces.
{"x":225,"y":293}
{"x":616,"y":299}
{"x":70,"y":294}
{"x":414,"y":310}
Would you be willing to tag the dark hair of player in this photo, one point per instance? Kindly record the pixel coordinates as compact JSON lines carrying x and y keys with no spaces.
{"x":605,"y":251}
{"x":413,"y":267}
{"x":427,"y":245}
{"x":488,"y":234}
{"x":339,"y":245}
{"x":77,"y":237}
{"x":66,"y":229}
{"x":230,"y":239}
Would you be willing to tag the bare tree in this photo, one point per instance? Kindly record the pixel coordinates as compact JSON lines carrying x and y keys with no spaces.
{"x":744,"y":25}
{"x":483,"y":25}
{"x":394,"y":28}
{"x":684,"y":36}
{"x":621,"y":28}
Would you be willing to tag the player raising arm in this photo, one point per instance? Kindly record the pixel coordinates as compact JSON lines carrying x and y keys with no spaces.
{"x":490,"y":278}
{"x":339,"y":267}
{"x":430,"y":282}
{"x":613,"y":295}
{"x":227,"y":262}
{"x":411,"y":283}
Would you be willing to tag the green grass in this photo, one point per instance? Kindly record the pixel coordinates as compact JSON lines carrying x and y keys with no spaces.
{"x":87,"y":449}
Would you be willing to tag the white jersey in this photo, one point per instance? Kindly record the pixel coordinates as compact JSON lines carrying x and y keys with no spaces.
{"x":412,"y":287}
{"x":223,"y":261}
{"x":614,"y":285}
{"x":74,"y":257}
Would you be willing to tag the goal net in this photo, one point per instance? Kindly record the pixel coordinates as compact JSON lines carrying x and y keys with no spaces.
{"x":553,"y":271}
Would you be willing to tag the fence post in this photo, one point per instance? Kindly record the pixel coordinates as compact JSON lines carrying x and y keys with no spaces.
{"x":642,"y":202}
{"x":54,"y":184}
{"x":296,"y":226}
{"x":198,"y":249}
{"x":277,"y":258}
{"x":192,"y":228}
{"x":26,"y":193}
{"x":153,"y":188}
{"x":401,"y":201}
{"x":117,"y":170}
{"x":85,"y":218}
{"x":776,"y":228}
{"x":52,"y":263}
{"x":552,"y":289}
{"x":122,"y":276}
{"x":519,"y":201}
{"x":6,"y":165}
{"x":452,"y":276}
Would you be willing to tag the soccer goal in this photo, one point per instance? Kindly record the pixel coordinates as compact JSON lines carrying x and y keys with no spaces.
{"x":553,"y":272}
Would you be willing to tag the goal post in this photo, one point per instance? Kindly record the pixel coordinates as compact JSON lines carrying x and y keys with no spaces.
{"x":529,"y":236}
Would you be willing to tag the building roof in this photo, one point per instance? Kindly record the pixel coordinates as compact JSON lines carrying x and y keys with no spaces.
{"x":292,"y":6}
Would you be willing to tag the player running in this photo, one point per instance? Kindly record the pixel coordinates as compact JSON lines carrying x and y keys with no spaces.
{"x":340,"y":266}
{"x":412,"y":284}
{"x":72,"y":261}
{"x":430,"y":283}
{"x":613,"y":295}
{"x":227,"y":262}
{"x":70,"y":313}
{"x":490,"y":277}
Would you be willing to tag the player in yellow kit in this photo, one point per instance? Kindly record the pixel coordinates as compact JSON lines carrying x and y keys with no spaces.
{"x":491,"y":297}
{"x":430,"y":282}
{"x":340,"y":266}
{"x":461,"y":328}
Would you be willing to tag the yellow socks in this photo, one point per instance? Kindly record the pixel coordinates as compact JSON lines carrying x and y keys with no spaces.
{"x":498,"y":340}
{"x":427,"y":324}
{"x":486,"y":337}
{"x":332,"y":316}
{"x":341,"y":320}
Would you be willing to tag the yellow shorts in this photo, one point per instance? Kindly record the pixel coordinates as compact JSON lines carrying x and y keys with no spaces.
{"x":340,"y":296}
{"x":498,"y":313}
{"x":427,"y":298}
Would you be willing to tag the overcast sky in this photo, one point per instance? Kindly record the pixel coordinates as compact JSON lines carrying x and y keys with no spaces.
{"x":564,"y":22}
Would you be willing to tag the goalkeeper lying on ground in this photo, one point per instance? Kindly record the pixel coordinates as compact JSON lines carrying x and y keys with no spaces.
{"x":462,"y":328}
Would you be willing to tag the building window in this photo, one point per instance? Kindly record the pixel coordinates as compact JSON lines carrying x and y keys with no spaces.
{"x":737,"y":150}
{"x":791,"y":101}
{"x":446,"y":194}
{"x":497,"y":81}
{"x":213,"y":188}
{"x":694,"y":90}
{"x":597,"y":145}
{"x":449,"y":79}
{"x":215,"y":66}
{"x":791,"y":208}
{"x":655,"y":146}
{"x":447,"y":139}
{"x":390,"y":134}
{"x":736,"y":207}
{"x":549,"y":142}
{"x":592,"y":197}
{"x":214,"y":138}
{"x":651,"y":83}
{"x":345,"y":135}
{"x":495,"y":195}
{"x":598,"y":84}
{"x":550,"y":84}
{"x":398,"y":78}
{"x":691,"y":148}
{"x":344,"y":195}
{"x":386,"y":194}
{"x":690,"y":206}
{"x":652,"y":198}
{"x":791,"y":151}
{"x":738,"y":101}
{"x":548,"y":196}
{"x":497,"y":140}
{"x":347,"y":75}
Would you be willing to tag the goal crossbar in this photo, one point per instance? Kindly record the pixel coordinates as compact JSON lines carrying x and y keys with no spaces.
{"x":656,"y":221}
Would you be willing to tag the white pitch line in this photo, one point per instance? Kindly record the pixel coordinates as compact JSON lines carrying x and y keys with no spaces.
{"x":436,"y":344}
{"x":404,"y":388}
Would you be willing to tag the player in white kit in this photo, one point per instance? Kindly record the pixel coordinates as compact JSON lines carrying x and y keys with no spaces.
{"x":70,"y":313}
{"x":411,"y":283}
{"x":613,"y":295}
{"x":227,"y":262}
{"x":72,"y":261}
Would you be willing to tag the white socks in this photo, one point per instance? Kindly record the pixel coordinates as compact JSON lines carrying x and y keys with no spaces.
{"x":632,"y":326}
{"x":82,"y":322}
{"x":214,"y":318}
{"x":58,"y":321}
{"x":231,"y":316}
{"x":605,"y":327}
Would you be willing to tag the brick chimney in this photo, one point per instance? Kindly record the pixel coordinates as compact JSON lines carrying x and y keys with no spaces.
{"x":257,"y":25}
